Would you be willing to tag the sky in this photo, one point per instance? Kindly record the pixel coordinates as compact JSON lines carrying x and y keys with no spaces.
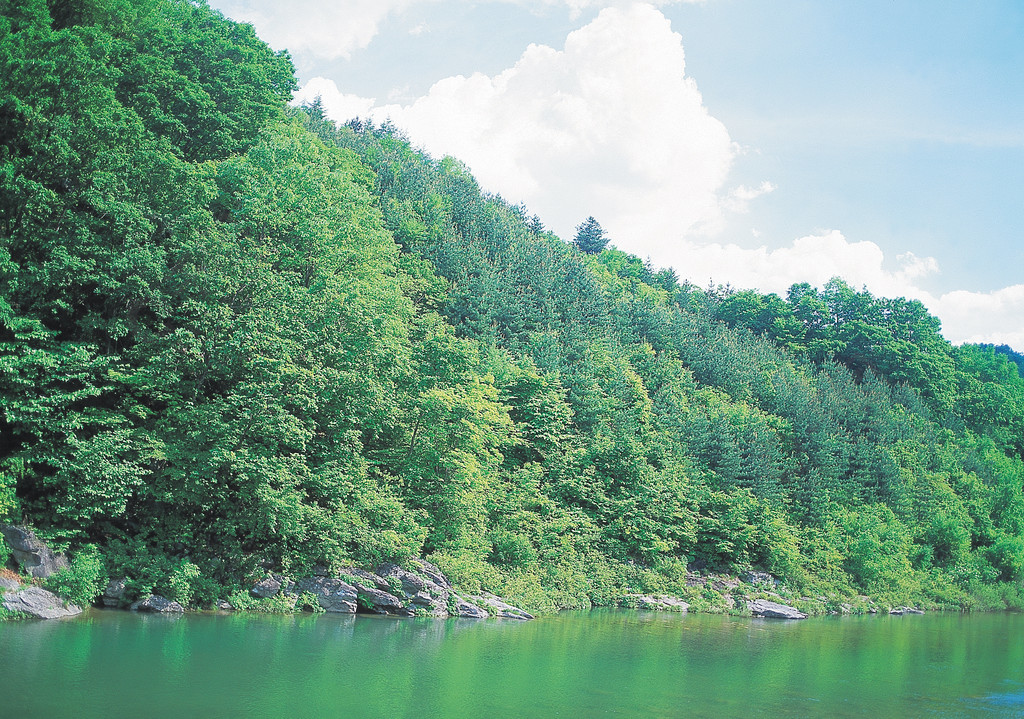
{"x":742,"y":142}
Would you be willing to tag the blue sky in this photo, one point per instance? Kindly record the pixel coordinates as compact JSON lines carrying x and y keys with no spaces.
{"x":739,"y":141}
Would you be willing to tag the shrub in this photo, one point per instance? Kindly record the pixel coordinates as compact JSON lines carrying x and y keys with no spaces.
{"x":83,"y":580}
{"x":182,"y":581}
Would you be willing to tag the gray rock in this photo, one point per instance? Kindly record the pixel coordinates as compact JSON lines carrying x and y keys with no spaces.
{"x":468,"y":610}
{"x":431,"y":572}
{"x":412,"y":584}
{"x":759,"y":578}
{"x":381,"y":602}
{"x":764,"y":608}
{"x":39,"y":603}
{"x":113,"y":595}
{"x":155,"y":604}
{"x":366,"y":579}
{"x":333,"y":595}
{"x":659,"y":603}
{"x":32,"y":553}
{"x":6,"y":584}
{"x":498,"y":607}
{"x":422,"y":592}
{"x":266,"y":588}
{"x":724,"y":584}
{"x":898,"y":610}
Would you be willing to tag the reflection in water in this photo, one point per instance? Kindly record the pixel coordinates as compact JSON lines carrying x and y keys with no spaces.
{"x":602,"y":663}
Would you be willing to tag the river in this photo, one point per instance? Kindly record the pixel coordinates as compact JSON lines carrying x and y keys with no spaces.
{"x":603,"y":663}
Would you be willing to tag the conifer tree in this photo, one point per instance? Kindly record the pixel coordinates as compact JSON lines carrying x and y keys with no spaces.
{"x":590,"y":236}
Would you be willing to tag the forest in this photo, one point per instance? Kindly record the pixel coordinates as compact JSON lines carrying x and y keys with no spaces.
{"x":236,"y":337}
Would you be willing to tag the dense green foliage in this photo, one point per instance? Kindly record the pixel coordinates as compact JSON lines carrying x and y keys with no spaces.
{"x":235,"y":337}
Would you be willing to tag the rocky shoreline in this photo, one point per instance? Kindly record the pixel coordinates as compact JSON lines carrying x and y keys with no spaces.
{"x":420,"y":589}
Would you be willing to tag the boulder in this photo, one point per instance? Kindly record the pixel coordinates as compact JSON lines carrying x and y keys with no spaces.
{"x":363,"y":578}
{"x":774,"y":610}
{"x":898,"y":611}
{"x":270,"y":586}
{"x":381,"y":602}
{"x":8,"y":583}
{"x":39,"y":603}
{"x":431,"y":572}
{"x":32,"y":553}
{"x":333,"y":595}
{"x":659,"y":603}
{"x":422,"y":592}
{"x":113,"y":595}
{"x":155,"y":604}
{"x":498,"y":607}
{"x":467,"y":610}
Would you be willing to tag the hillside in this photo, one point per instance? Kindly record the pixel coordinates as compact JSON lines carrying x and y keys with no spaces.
{"x":235,"y":337}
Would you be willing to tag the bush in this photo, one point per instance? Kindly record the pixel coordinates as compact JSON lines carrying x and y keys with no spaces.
{"x":182,"y":581}
{"x":83,"y":580}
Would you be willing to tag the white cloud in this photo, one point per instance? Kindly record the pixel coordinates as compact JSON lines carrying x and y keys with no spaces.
{"x":738,"y":200}
{"x":318,"y":28}
{"x":993,"y":317}
{"x":337,"y":105}
{"x":332,"y":29}
{"x":609,"y":126}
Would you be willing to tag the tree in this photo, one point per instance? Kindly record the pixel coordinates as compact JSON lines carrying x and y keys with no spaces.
{"x":590,"y":236}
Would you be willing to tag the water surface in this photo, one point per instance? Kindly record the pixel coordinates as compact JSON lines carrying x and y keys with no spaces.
{"x":597,"y":664}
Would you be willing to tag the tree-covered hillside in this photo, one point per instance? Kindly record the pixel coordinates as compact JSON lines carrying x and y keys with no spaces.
{"x":235,"y":337}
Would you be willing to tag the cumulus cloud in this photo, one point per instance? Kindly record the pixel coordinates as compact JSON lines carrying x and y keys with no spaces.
{"x":995,"y":317}
{"x":738,"y":200}
{"x":318,"y":28}
{"x":991,"y":317}
{"x":610,"y":125}
{"x":332,"y":29}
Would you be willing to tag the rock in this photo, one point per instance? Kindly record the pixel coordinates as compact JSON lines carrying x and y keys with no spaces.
{"x":113,"y":595}
{"x":468,"y":610}
{"x":498,"y":607}
{"x":155,"y":604}
{"x":362,"y":578}
{"x":381,"y":602}
{"x":39,"y":603}
{"x":898,"y":611}
{"x":423,"y":592}
{"x":267,"y":587}
{"x":695,"y":580}
{"x":759,"y":578}
{"x":659,"y":603}
{"x":225,"y":606}
{"x":7,"y":583}
{"x":724,"y":584}
{"x":333,"y":595}
{"x":764,"y":608}
{"x":431,"y":572}
{"x":32,"y":553}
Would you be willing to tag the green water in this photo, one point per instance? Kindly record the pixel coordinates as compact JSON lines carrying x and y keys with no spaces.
{"x":597,"y":664}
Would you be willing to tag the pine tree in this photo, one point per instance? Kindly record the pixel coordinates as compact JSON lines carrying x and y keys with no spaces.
{"x":590,"y":236}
